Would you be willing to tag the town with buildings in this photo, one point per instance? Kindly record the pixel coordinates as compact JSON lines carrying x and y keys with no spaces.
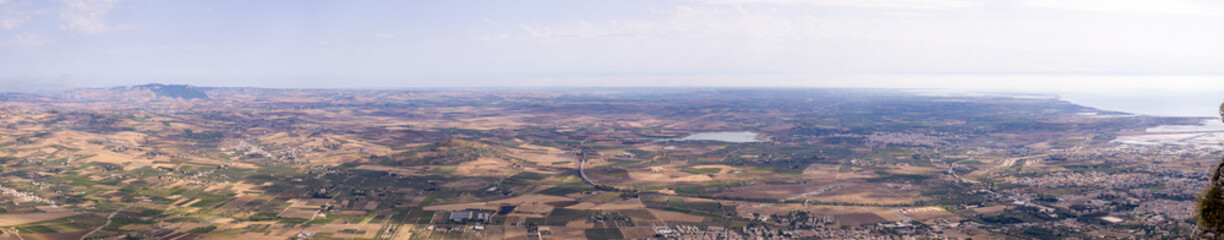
{"x":670,"y":164}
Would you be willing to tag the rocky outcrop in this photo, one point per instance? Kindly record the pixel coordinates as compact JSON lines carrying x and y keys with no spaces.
{"x":1211,"y":205}
{"x":1211,"y":208}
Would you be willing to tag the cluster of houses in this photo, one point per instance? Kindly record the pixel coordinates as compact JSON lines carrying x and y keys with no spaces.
{"x":466,"y":216}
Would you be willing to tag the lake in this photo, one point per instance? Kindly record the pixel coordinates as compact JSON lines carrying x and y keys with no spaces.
{"x":734,"y":137}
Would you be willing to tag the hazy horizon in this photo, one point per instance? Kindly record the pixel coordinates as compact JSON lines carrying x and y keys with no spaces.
{"x":1160,"y":52}
{"x":1154,"y":102}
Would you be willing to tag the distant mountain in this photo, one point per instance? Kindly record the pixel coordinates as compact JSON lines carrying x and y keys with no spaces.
{"x":185,"y":92}
{"x":25,"y":97}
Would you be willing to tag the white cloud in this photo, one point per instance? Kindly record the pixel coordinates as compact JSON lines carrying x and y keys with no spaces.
{"x":27,"y":40}
{"x":1180,"y":7}
{"x":716,"y":23}
{"x":793,"y":37}
{"x":12,"y":20}
{"x":383,"y":36}
{"x":89,"y":16}
{"x":1185,"y":7}
{"x":923,"y":4}
{"x":12,"y":15}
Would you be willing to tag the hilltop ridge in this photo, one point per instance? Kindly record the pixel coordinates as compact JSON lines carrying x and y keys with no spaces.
{"x":186,"y":92}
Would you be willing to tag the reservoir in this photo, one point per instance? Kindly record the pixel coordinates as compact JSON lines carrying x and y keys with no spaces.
{"x":734,"y":137}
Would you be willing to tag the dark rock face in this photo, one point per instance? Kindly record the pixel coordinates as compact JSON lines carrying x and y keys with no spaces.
{"x":1211,"y":205}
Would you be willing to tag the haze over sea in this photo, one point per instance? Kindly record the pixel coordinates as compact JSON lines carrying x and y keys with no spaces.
{"x":1156,"y":103}
{"x":1155,"y":95}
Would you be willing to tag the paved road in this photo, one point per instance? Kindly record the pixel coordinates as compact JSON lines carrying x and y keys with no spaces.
{"x":582,"y":171}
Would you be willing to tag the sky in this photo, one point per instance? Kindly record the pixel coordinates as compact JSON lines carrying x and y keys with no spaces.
{"x":1111,"y":47}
